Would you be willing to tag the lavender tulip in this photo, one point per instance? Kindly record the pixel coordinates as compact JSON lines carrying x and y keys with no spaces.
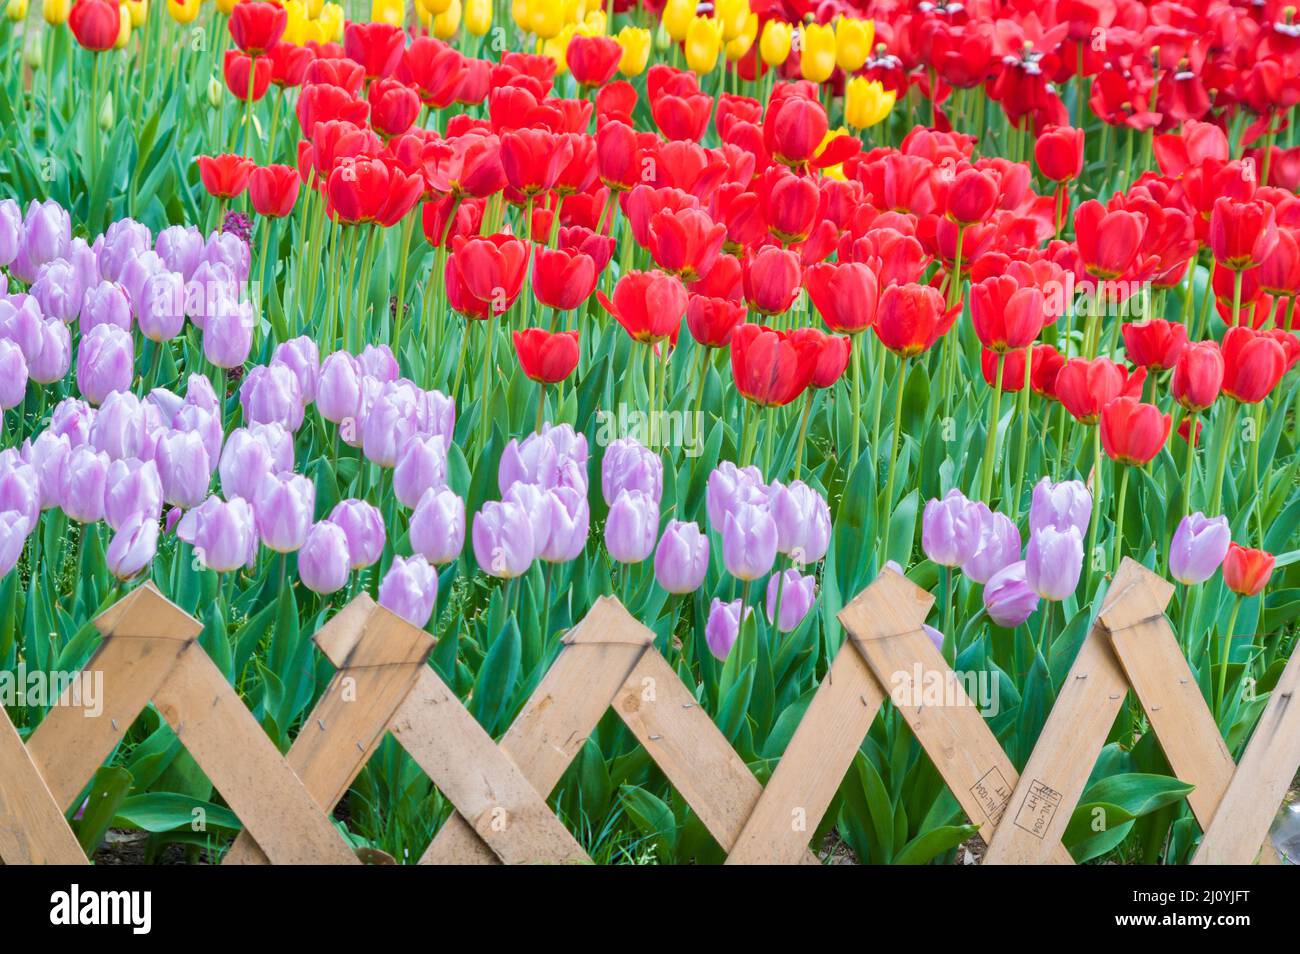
{"x":105,"y":362}
{"x":950,"y":529}
{"x":390,"y":425}
{"x":184,"y":467}
{"x":1199,"y":545}
{"x":270,"y":393}
{"x":364,"y":526}
{"x":85,"y":266}
{"x":207,"y":424}
{"x":13,"y":375}
{"x":81,"y":488}
{"x":46,"y":235}
{"x":51,"y":364}
{"x":211,"y":290}
{"x":162,"y":306}
{"x":567,"y":442}
{"x":999,"y":546}
{"x":503,"y":539}
{"x":803,"y":521}
{"x":338,"y":388}
{"x":410,"y":589}
{"x":730,"y":486}
{"x":228,"y":338}
{"x":421,"y":466}
{"x":136,"y":276}
{"x":1008,"y":598}
{"x":748,"y":542}
{"x":230,"y":250}
{"x":199,"y":392}
{"x":58,"y":290}
{"x":74,"y":418}
{"x":223,"y":533}
{"x":21,"y":322}
{"x":119,"y":426}
{"x":437,"y":529}
{"x":632,"y":526}
{"x":125,"y":241}
{"x":284,"y":507}
{"x":323,"y":561}
{"x":682,"y":558}
{"x":628,"y":465}
{"x":302,"y":357}
{"x":723,"y":626}
{"x":568,"y":519}
{"x":133,"y":546}
{"x":14,"y":530}
{"x":1053,"y":562}
{"x":11,"y":230}
{"x":794,"y":594}
{"x":105,"y":304}
{"x":936,"y":637}
{"x":181,"y":249}
{"x":48,"y":454}
{"x":378,"y":362}
{"x":132,"y":487}
{"x":1060,"y":505}
{"x":20,"y":487}
{"x":535,"y":460}
{"x":532,"y":500}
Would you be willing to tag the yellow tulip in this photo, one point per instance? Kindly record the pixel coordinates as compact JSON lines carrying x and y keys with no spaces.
{"x":774,"y":45}
{"x":817,"y":52}
{"x":225,"y":6}
{"x":677,"y":18}
{"x":853,"y":40}
{"x":433,"y":7}
{"x":55,"y":12}
{"x":331,"y":21}
{"x":593,"y":24}
{"x":183,"y":11}
{"x":446,"y":23}
{"x":703,"y":41}
{"x":295,"y":20}
{"x":314,"y":8}
{"x":635,"y":42}
{"x":545,"y":20}
{"x":519,"y":13}
{"x":866,"y":102}
{"x":733,"y":15}
{"x":478,"y":16}
{"x":16,"y":10}
{"x":123,"y":27}
{"x":737,"y":48}
{"x":392,"y":12}
{"x":138,"y":10}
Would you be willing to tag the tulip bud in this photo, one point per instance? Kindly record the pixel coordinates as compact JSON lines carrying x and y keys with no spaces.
{"x":214,"y":94}
{"x":790,"y":597}
{"x":105,"y":118}
{"x":1008,"y":598}
{"x":723,"y":626}
{"x":33,"y":52}
{"x":16,"y":11}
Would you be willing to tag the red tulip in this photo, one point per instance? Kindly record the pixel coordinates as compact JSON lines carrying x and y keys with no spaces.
{"x":1046,"y":365}
{"x":1133,"y":432}
{"x":911,"y":318}
{"x":1185,"y":430}
{"x":832,"y":355}
{"x":1155,"y":343}
{"x":393,"y":107}
{"x":563,"y":279}
{"x":1246,"y":571}
{"x":256,"y":26}
{"x":225,"y":177}
{"x":493,"y":268}
{"x":342,"y":72}
{"x":376,"y":46}
{"x":593,"y":60}
{"x":578,"y":174}
{"x":679,"y":108}
{"x":1085,"y":387}
{"x":1253,"y":364}
{"x":370,"y":190}
{"x":1198,"y":376}
{"x":1242,"y":234}
{"x":617,"y":156}
{"x":972,"y":194}
{"x":1279,"y":272}
{"x":435,"y":69}
{"x":1059,"y":153}
{"x":794,"y":129}
{"x":1290,"y":347}
{"x":289,"y":64}
{"x":465,"y":218}
{"x":615,"y":102}
{"x":95,"y":24}
{"x":532,"y":159}
{"x":338,"y":141}
{"x":649,"y":305}
{"x":1043,"y":368}
{"x":273,"y":190}
{"x":545,"y":357}
{"x":845,"y":295}
{"x":236,"y":67}
{"x":712,"y":321}
{"x":790,"y":205}
{"x":685,"y":242}
{"x":771,"y":279}
{"x":322,"y":103}
{"x":1005,"y":315}
{"x":770,"y":367}
{"x":1108,"y":241}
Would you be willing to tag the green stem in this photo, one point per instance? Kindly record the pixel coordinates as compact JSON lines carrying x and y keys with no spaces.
{"x":893,"y":450}
{"x":1225,"y":651}
{"x":990,"y":440}
{"x":1119,"y":516}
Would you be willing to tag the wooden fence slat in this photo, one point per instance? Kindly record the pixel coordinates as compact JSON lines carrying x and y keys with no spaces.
{"x":886,"y":628}
{"x":32,"y":828}
{"x":144,"y":633}
{"x":690,"y":750}
{"x":1266,"y":769}
{"x":232,"y":750}
{"x":489,"y":792}
{"x":1148,"y":651}
{"x":378,"y":656}
{"x":563,"y":710}
{"x":1067,"y":749}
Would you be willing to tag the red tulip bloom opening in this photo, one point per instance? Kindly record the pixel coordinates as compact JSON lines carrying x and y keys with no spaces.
{"x":545,"y":357}
{"x":1245,"y":571}
{"x":1132,"y":432}
{"x":225,"y":177}
{"x":772,"y":368}
{"x":256,"y":26}
{"x":911,"y":318}
{"x":649,"y":305}
{"x":95,"y":24}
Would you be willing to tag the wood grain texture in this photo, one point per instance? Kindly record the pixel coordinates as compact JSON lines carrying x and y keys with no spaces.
{"x":32,"y":828}
{"x":237,"y":756}
{"x":563,"y":710}
{"x":1266,"y":769}
{"x":933,"y":701}
{"x":1067,"y":749}
{"x":379,"y":656}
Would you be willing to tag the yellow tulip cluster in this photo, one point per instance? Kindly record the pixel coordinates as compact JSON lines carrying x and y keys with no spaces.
{"x":731,"y":31}
{"x":845,"y":43}
{"x":445,"y":17}
{"x":311,"y":21}
{"x":556,"y":22}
